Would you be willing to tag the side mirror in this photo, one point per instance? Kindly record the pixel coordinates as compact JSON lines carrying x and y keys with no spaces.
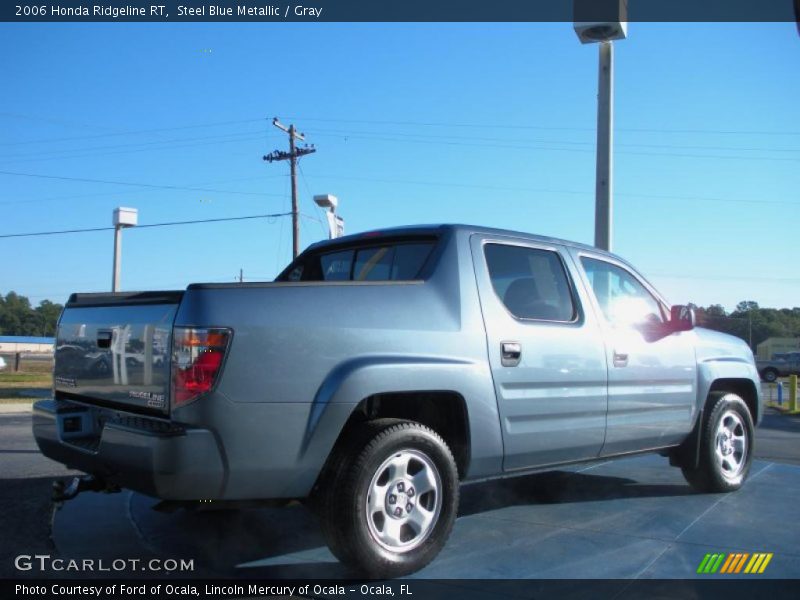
{"x":682,"y":318}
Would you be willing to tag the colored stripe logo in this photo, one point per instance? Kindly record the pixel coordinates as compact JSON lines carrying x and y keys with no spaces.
{"x":735,"y":562}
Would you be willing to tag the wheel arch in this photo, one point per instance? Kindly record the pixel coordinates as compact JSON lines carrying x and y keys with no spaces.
{"x":455,"y":397}
{"x":444,"y":411}
{"x":734,"y":375}
{"x":687,"y":454}
{"x":745,"y":388}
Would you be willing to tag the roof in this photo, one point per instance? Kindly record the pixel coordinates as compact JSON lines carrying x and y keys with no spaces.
{"x":26,"y":339}
{"x":434,"y":229}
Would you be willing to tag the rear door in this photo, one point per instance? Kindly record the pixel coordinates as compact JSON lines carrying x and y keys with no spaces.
{"x":545,"y":351}
{"x":652,"y":372}
{"x":114,"y":349}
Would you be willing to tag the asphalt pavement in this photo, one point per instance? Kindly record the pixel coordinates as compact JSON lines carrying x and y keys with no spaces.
{"x":27,"y":479}
{"x":637,"y":514}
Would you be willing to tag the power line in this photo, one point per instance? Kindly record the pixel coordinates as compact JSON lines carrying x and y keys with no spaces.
{"x":144,"y":185}
{"x":167,"y":224}
{"x":350,"y":133}
{"x":501,"y":143}
{"x":249,"y":135}
{"x":391,"y":181}
{"x":485,"y":125}
{"x":129,"y":132}
{"x":149,"y":146}
{"x":473,"y":125}
{"x":519,"y":144}
{"x":137,"y":191}
{"x":383,"y":138}
{"x":552,"y":191}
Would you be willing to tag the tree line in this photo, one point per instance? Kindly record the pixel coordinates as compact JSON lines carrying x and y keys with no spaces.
{"x":18,"y":317}
{"x":748,"y":321}
{"x":751,"y":322}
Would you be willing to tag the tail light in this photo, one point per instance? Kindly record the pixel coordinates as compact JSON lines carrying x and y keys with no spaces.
{"x":197,"y":356}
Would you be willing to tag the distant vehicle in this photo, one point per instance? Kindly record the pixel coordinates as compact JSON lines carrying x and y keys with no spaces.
{"x":2,"y":363}
{"x":781,"y":364}
{"x":380,"y":370}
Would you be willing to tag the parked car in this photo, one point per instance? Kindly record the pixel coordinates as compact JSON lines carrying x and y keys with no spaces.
{"x":380,"y":371}
{"x":2,"y":363}
{"x":780,"y":365}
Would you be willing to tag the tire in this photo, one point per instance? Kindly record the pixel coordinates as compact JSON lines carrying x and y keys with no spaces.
{"x":726,"y":445}
{"x":373,"y":518}
{"x":769,"y":375}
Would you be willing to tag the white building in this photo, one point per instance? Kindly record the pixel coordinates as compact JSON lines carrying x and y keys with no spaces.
{"x":10,"y":344}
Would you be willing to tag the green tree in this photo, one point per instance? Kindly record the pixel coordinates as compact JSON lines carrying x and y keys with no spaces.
{"x":47,"y":314}
{"x":17,"y":317}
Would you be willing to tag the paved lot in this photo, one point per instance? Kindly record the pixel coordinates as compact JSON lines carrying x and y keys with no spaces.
{"x":27,"y":477}
{"x":634,"y":518}
{"x":627,"y":519}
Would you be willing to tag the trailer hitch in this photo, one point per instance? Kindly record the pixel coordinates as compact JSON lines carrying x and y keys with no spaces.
{"x":67,"y":489}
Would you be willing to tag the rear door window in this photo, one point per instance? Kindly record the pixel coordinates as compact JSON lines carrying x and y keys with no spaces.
{"x":531,"y":282}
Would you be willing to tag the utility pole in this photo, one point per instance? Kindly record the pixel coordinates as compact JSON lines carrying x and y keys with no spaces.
{"x":241,"y":275}
{"x":292,"y":156}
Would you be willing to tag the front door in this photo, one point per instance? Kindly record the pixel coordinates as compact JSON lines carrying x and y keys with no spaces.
{"x":546,"y":352}
{"x":652,"y":373}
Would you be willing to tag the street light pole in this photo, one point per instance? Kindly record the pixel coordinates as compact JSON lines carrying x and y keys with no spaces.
{"x":117,"y":258}
{"x":123,"y":217}
{"x":601,"y":22}
{"x":329,"y":203}
{"x":605,"y":138}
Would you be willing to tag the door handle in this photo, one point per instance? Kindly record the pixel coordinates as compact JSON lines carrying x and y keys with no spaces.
{"x":510,"y":353}
{"x":620,"y":359}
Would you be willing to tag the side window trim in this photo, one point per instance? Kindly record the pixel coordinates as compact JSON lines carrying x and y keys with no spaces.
{"x":578,"y":314}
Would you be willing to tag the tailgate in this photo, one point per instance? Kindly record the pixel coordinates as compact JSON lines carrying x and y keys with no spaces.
{"x":114,"y":350}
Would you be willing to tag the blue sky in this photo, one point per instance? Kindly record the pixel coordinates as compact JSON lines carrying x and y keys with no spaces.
{"x":492,"y":124}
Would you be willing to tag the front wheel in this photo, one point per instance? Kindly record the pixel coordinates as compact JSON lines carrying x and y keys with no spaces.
{"x":390,"y":508}
{"x":726,"y":445}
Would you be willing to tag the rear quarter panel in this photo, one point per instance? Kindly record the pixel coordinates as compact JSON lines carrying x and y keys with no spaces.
{"x":303,"y":355}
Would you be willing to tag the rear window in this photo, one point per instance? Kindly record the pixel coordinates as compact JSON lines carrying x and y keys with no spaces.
{"x":395,"y":261}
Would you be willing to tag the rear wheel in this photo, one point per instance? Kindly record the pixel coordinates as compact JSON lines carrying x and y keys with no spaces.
{"x":726,"y":445}
{"x":391,"y":504}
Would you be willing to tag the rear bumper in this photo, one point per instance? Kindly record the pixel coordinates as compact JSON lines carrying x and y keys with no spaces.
{"x":142,"y":454}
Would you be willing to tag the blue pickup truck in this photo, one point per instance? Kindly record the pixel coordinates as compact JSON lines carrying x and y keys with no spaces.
{"x":381,"y":370}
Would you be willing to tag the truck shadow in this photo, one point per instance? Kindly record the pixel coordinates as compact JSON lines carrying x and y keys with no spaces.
{"x":559,"y":487}
{"x":287,"y":543}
